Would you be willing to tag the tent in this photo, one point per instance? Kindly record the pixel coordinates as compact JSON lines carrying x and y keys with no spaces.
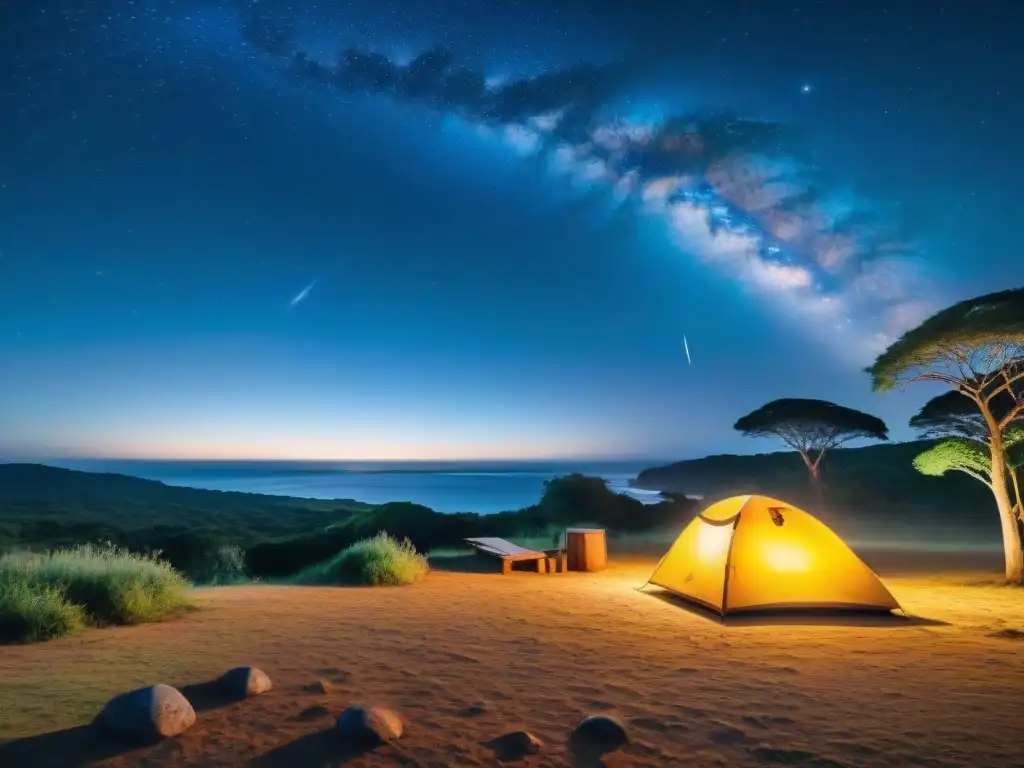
{"x":753,"y":553}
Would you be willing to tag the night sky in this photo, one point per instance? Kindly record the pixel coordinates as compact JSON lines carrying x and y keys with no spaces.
{"x":483,"y":228}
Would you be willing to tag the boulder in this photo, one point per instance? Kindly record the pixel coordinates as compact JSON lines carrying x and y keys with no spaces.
{"x":515,"y":746}
{"x":245,"y":681}
{"x":598,"y":735}
{"x":362,"y":727}
{"x":154,"y":712}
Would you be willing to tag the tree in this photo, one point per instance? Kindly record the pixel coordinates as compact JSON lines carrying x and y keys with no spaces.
{"x":959,"y":455}
{"x":976,"y":348}
{"x":955,"y":418}
{"x":811,"y":428}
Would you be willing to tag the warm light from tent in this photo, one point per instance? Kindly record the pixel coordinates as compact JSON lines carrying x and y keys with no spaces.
{"x":712,"y":541}
{"x":786,"y":558}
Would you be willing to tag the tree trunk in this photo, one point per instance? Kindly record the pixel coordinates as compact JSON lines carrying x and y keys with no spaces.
{"x":816,"y":484}
{"x":1011,"y":535}
{"x":1017,"y":500}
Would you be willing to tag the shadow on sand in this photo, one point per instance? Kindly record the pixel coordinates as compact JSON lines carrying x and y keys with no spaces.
{"x":468,"y":563}
{"x":70,"y":748}
{"x":322,"y":748}
{"x":209,"y":695}
{"x":86,"y":744}
{"x":808,"y":617}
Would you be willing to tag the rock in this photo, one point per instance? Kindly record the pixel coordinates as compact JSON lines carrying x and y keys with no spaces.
{"x":246,"y":681}
{"x":360,"y":726}
{"x":475,"y":709}
{"x":598,"y":735}
{"x":155,"y":712}
{"x":516,"y":745}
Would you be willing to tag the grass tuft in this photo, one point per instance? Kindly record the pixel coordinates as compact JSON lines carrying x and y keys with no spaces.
{"x":51,"y":594}
{"x":378,"y":561}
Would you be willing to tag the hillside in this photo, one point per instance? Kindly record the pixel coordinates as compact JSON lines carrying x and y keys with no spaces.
{"x":873,"y":492}
{"x":39,"y":503}
{"x":42,"y":507}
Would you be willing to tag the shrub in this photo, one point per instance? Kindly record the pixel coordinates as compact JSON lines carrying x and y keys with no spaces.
{"x":52,"y":593}
{"x":220,"y":566}
{"x":30,"y":612}
{"x":379,"y":561}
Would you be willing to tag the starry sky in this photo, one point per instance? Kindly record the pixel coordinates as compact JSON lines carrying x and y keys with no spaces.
{"x":492,"y":229}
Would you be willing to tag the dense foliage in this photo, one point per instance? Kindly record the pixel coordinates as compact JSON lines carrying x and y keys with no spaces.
{"x":54,"y":593}
{"x":221,"y":537}
{"x":812,"y":428}
{"x":973,"y":326}
{"x":380,"y":561}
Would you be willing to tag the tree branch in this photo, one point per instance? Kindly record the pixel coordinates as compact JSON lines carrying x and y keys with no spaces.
{"x":945,"y":378}
{"x":973,"y":474}
{"x":1016,"y":411}
{"x":1007,"y":386}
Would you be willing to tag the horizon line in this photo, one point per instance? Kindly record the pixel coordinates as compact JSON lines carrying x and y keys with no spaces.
{"x":11,"y":459}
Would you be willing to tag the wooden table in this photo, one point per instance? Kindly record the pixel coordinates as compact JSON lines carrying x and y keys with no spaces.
{"x":586,"y":549}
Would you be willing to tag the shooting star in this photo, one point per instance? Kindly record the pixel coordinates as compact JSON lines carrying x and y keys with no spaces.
{"x":686,"y":346}
{"x":301,"y":295}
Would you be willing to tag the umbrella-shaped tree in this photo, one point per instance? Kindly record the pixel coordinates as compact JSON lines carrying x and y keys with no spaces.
{"x":976,"y":348}
{"x":958,"y":454}
{"x":958,"y":422}
{"x":811,"y":428}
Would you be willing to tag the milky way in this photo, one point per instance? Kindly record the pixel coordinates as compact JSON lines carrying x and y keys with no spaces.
{"x":732,"y":191}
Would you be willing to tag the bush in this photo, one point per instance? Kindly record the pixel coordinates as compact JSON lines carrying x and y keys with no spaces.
{"x":53,"y":593}
{"x":378,"y":561}
{"x":221,"y":566}
{"x":30,"y":612}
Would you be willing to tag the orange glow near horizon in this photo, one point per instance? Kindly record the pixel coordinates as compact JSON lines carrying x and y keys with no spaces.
{"x":325,"y":450}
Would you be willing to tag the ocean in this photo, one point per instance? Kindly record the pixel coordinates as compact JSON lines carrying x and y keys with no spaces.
{"x":483,"y":487}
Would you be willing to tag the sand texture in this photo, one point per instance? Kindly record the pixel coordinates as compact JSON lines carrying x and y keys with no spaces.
{"x":467,"y":657}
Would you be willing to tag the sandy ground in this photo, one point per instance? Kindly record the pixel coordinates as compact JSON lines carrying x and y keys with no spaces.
{"x":466,"y":657}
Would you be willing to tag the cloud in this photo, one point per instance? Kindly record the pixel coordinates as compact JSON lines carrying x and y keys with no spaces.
{"x":733,"y":192}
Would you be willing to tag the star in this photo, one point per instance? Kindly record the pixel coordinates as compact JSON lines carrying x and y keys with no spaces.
{"x":806,"y":88}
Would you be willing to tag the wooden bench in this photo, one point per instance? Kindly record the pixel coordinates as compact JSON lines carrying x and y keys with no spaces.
{"x":548,"y":561}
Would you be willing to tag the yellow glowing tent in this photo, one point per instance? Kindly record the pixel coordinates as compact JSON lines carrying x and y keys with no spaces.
{"x":752,"y":553}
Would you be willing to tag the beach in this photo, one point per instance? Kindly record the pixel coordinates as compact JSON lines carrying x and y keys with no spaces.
{"x":467,"y":656}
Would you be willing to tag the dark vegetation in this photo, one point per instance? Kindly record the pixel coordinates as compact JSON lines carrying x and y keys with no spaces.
{"x":217,"y":537}
{"x":380,"y":561}
{"x":871,"y":492}
{"x":812,"y":428}
{"x":54,"y":593}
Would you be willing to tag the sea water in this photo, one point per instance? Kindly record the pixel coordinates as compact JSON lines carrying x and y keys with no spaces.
{"x":483,"y":487}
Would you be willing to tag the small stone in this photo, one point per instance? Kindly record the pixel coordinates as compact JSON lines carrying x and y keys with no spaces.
{"x":246,"y":681}
{"x":154,"y":712}
{"x":360,"y":726}
{"x":516,"y":745}
{"x":475,"y":709}
{"x":598,"y":735}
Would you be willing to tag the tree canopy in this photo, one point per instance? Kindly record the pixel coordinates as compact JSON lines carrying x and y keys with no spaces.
{"x":811,"y":425}
{"x":953,"y":415}
{"x":969,"y":339}
{"x":811,"y":428}
{"x":959,"y":455}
